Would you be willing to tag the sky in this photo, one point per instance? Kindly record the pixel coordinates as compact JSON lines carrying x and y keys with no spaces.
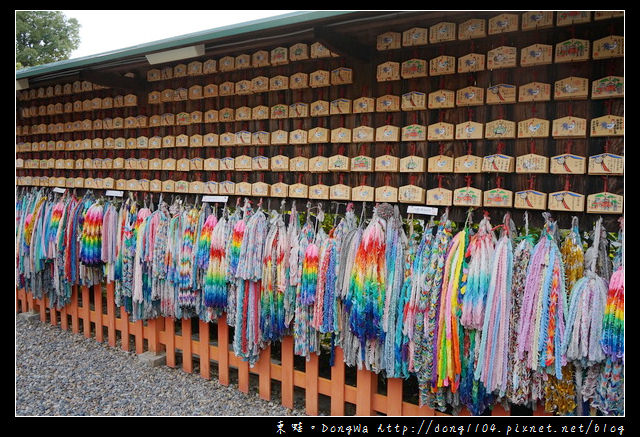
{"x":133,"y":27}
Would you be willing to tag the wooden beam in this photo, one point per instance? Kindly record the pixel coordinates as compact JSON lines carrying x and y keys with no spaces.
{"x":343,"y":44}
{"x":114,"y":80}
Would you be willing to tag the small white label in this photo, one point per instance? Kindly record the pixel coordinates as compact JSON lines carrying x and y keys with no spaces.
{"x":59,"y":190}
{"x":113,"y":193}
{"x":425,"y":210}
{"x":214,"y":199}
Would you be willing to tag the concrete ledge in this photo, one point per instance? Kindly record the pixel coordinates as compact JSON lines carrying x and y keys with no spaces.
{"x":29,"y":316}
{"x":152,"y":359}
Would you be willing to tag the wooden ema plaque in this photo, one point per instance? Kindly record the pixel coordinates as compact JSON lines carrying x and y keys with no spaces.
{"x":532,"y":163}
{"x":279,"y":189}
{"x":319,"y":192}
{"x":319,"y":164}
{"x":608,"y":87}
{"x":340,"y":192}
{"x":298,"y":136}
{"x":503,"y":23}
{"x":319,"y":78}
{"x":470,"y":96}
{"x":299,"y":81}
{"x":440,"y":131}
{"x":565,"y":201}
{"x":498,"y":163}
{"x":467,"y":164}
{"x":279,"y":163}
{"x":341,"y":76}
{"x":473,"y":28}
{"x":242,"y":189}
{"x":569,"y":127}
{"x":467,"y":196}
{"x":227,"y":163}
{"x":441,"y":99}
{"x":299,"y":52}
{"x":471,"y":62}
{"x":298,"y":191}
{"x":414,"y":132}
{"x":532,"y":20}
{"x":413,"y":68}
{"x":341,"y":135}
{"x":442,"y":32}
{"x":534,"y":92}
{"x":363,"y":134}
{"x":340,"y":106}
{"x":469,"y":130}
{"x":299,"y":164}
{"x":572,"y":50}
{"x":533,"y":128}
{"x":606,"y":164}
{"x":260,"y":138}
{"x":567,"y":164}
{"x":414,"y":101}
{"x":210,"y":140}
{"x":412,"y":164}
{"x":501,"y":57}
{"x":416,"y":36}
{"x":439,"y":197}
{"x":387,"y":133}
{"x":277,"y":83}
{"x":442,"y":65}
{"x":607,"y":125}
{"x":608,"y":47}
{"x":530,"y":199}
{"x":411,"y":194}
{"x":211,"y":164}
{"x":260,"y":163}
{"x":605,"y":15}
{"x":242,"y":163}
{"x":259,"y":189}
{"x":571,"y":88}
{"x":604,"y":203}
{"x":501,"y":93}
{"x":536,"y":54}
{"x":388,"y":41}
{"x":319,"y":108}
{"x":363,"y":193}
{"x":279,"y":137}
{"x":338,"y":163}
{"x":387,"y":164}
{"x":196,"y":187}
{"x":567,"y":18}
{"x":210,"y":187}
{"x":500,"y":129}
{"x":318,"y":135}
{"x":387,"y":103}
{"x":319,"y":51}
{"x":362,"y":163}
{"x":497,"y":198}
{"x":362,"y":105}
{"x":386,"y":193}
{"x":440,"y":164}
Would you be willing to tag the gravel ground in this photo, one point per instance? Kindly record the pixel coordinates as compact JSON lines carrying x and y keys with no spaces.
{"x":59,"y":373}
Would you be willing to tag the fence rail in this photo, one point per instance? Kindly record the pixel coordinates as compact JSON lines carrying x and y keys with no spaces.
{"x":159,"y":335}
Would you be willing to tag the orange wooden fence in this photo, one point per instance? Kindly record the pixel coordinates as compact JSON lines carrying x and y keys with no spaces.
{"x":95,"y":309}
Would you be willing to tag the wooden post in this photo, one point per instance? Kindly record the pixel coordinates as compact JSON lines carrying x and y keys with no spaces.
{"x":223,"y":350}
{"x":97,"y":305}
{"x":264,"y":372}
{"x":205,"y":367}
{"x":124,"y":329}
{"x":43,"y":310}
{"x":287,"y":371}
{"x":111,"y":315}
{"x":86,"y":307}
{"x":394,"y":397}
{"x":53,"y":316}
{"x":243,"y":376}
{"x":337,"y":383}
{"x":73,"y":309}
{"x":311,"y":385}
{"x":498,"y":410}
{"x":187,"y":359}
{"x":366,"y":381}
{"x":30,"y":301}
{"x":138,"y":332}
{"x":170,"y":344}
{"x":64,"y":323}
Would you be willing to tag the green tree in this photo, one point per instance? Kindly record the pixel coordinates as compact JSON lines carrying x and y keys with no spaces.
{"x":44,"y":36}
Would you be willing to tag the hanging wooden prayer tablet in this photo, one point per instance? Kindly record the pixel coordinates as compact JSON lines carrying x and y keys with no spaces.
{"x":442,"y":65}
{"x":320,"y":108}
{"x":363,"y":105}
{"x":363,"y":134}
{"x":571,"y":88}
{"x":572,"y":50}
{"x":210,"y":90}
{"x":260,"y":59}
{"x":340,"y":106}
{"x":227,"y":188}
{"x":167,"y":164}
{"x":300,"y":191}
{"x":387,"y":164}
{"x":388,"y":41}
{"x":278,"y":83}
{"x":168,"y":186}
{"x":567,"y":18}
{"x":607,"y":125}
{"x":226,"y":114}
{"x":279,"y":111}
{"x":180,"y":70}
{"x":467,"y":164}
{"x":260,"y":163}
{"x":279,"y":137}
{"x":440,"y":131}
{"x":473,"y":28}
{"x":608,"y":47}
{"x":361,"y":163}
{"x":501,"y":57}
{"x":210,"y":187}
{"x":388,"y":71}
{"x":318,"y":135}
{"x":299,"y":52}
{"x":470,"y":96}
{"x":533,"y":128}
{"x":319,"y":51}
{"x":153,"y":75}
{"x":298,"y":136}
{"x":194,"y":141}
{"x":503,"y":23}
{"x":260,"y":84}
{"x":388,"y":103}
{"x":341,"y":135}
{"x":386,"y":193}
{"x":414,"y":101}
{"x":279,"y":163}
{"x":536,"y":54}
{"x":243,"y":113}
{"x":319,"y":78}
{"x":259,"y":189}
{"x":243,"y":189}
{"x":605,"y":15}
{"x":412,"y":164}
{"x":441,"y":99}
{"x":471,"y":62}
{"x":387,"y":133}
{"x":532,"y":163}
{"x":279,"y":56}
{"x":341,"y":76}
{"x":228,"y":139}
{"x":569,"y":127}
{"x":467,"y":196}
{"x":534,"y":92}
{"x":413,"y":68}
{"x":298,"y":110}
{"x":606,"y":164}
{"x":608,"y":87}
{"x":567,"y":164}
{"x":604,"y":203}
{"x":469,"y":130}
{"x":442,"y":32}
{"x":566,"y":201}
{"x":260,"y":112}
{"x":196,"y":187}
{"x":299,"y":81}
{"x":498,"y":163}
{"x":414,"y":132}
{"x":416,"y":36}
{"x":209,"y":66}
{"x":362,"y":193}
{"x":532,"y":20}
{"x":439,"y":197}
{"x":227,"y":163}
{"x":319,"y":164}
{"x":319,"y":192}
{"x":211,"y":164}
{"x":338,"y":163}
{"x":279,"y":189}
{"x":339,"y":192}
{"x":440,"y":164}
{"x":242,"y":163}
{"x":299,"y":164}
{"x":210,"y":140}
{"x":500,"y":129}
{"x":497,"y":198}
{"x":411,"y":194}
{"x":530,"y":199}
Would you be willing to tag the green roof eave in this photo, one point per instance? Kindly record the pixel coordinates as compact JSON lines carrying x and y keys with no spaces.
{"x":182,"y":40}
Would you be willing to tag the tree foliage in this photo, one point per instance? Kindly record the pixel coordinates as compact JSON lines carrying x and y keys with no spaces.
{"x":44,"y":36}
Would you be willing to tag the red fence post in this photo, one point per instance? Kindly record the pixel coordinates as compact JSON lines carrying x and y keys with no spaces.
{"x":337,"y":383}
{"x":170,"y":344}
{"x":187,"y":359}
{"x":86,"y":316}
{"x":366,"y":382}
{"x":97,"y":305}
{"x":264,"y":371}
{"x":311,"y":385}
{"x":205,"y":367}
{"x":111,"y":315}
{"x":394,"y":397}
{"x":287,"y":372}
{"x":223,"y":350}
